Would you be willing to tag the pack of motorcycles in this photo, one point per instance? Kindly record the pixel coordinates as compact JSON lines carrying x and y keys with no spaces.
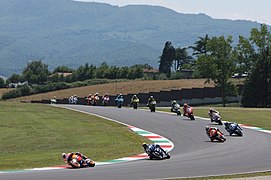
{"x":157,"y":152}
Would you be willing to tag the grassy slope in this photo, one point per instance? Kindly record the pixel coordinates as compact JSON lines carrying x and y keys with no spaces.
{"x":35,"y":135}
{"x":121,"y":87}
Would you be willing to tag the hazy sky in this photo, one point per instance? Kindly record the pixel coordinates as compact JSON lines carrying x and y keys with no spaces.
{"x":255,"y":10}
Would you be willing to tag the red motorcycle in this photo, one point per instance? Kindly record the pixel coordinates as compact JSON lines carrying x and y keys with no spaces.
{"x":95,"y":100}
{"x":188,"y":112}
{"x":219,"y":137}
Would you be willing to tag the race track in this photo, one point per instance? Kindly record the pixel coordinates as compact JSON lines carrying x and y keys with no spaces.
{"x":193,"y":153}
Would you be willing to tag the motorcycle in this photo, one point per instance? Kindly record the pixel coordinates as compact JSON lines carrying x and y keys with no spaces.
{"x":89,"y":100}
{"x":237,"y":129}
{"x":176,"y":109}
{"x":219,"y":137}
{"x":152,"y":106}
{"x":119,"y":101}
{"x":189,"y":113}
{"x":215,"y":117}
{"x":95,"y":100}
{"x":75,"y":162}
{"x":158,"y":153}
{"x":134,"y":103}
{"x":105,"y":101}
{"x":73,"y":100}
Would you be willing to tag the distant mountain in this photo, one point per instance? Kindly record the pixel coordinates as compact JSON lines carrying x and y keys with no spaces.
{"x":65,"y":32}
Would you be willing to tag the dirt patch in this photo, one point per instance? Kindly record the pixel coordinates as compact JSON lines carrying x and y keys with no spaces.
{"x":131,"y":87}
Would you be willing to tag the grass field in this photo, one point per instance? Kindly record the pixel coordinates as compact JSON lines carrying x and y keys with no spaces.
{"x":34,"y":135}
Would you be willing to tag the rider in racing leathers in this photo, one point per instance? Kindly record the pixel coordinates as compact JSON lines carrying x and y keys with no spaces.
{"x":78,"y":156}
{"x":185,"y":109}
{"x":149,"y":148}
{"x":150,"y":100}
{"x":212,"y":132}
{"x":231,"y":127}
{"x":211,"y":113}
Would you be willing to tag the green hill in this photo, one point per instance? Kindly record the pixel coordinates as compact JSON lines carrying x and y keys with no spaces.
{"x":65,"y":32}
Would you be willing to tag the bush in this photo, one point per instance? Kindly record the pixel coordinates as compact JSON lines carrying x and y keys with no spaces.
{"x":18,"y":92}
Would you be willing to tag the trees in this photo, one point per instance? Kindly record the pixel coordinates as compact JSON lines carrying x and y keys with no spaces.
{"x":36,"y":72}
{"x":200,"y":46}
{"x":167,"y":58}
{"x":2,"y":83}
{"x":218,"y":64}
{"x":257,"y":90}
{"x":182,"y":58}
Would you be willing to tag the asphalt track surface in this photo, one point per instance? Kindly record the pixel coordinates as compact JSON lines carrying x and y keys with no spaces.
{"x":193,"y":153}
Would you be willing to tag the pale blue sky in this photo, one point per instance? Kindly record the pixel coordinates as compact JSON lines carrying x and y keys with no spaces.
{"x":255,"y":10}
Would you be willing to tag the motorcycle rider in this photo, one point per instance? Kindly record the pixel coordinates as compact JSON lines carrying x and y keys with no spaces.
{"x":105,"y":98}
{"x":79,"y":157}
{"x":231,"y":127}
{"x":89,"y":99}
{"x":150,"y":148}
{"x":185,"y":109}
{"x":134,"y":99}
{"x":119,"y":96}
{"x":173,"y":104}
{"x":73,"y":99}
{"x":212,"y":132}
{"x":211,"y":113}
{"x":150,"y":100}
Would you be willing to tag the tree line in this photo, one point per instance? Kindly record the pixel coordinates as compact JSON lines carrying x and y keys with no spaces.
{"x":216,"y":59}
{"x":213,"y":58}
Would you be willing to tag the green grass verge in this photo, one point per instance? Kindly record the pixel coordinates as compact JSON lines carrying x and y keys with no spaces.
{"x":35,"y":135}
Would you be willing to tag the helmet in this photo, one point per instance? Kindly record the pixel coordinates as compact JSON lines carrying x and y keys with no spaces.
{"x":211,"y":110}
{"x":134,"y":95}
{"x":144,"y":145}
{"x":174,"y":102}
{"x":185,"y":104}
{"x":64,"y":155}
{"x":207,"y":128}
{"x":151,"y":96}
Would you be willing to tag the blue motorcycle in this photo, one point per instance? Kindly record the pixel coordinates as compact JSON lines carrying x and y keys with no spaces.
{"x":119,"y":101}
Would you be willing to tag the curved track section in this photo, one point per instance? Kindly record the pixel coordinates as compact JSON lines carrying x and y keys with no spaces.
{"x":193,"y":153}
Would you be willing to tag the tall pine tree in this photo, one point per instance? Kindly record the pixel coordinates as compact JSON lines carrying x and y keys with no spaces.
{"x":166,"y":59}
